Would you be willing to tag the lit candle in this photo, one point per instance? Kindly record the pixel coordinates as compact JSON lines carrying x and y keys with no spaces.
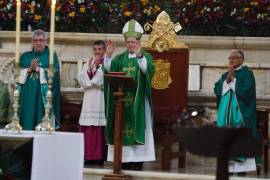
{"x":52,"y":31}
{"x":18,"y":28}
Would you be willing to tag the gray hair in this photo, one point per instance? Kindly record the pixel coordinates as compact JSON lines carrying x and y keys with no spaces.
{"x":240,"y":52}
{"x":39,"y":32}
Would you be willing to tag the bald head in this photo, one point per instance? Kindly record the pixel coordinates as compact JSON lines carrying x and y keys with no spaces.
{"x":240,"y":52}
{"x":236,"y":58}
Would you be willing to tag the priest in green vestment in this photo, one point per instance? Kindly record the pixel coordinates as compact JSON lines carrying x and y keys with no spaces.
{"x":137,"y":134}
{"x":236,"y":101}
{"x":33,"y":84}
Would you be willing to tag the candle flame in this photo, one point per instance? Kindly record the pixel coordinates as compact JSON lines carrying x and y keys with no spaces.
{"x":53,"y":2}
{"x":18,"y":1}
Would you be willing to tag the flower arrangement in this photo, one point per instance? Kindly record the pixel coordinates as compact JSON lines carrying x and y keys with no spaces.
{"x":197,"y":17}
{"x":78,"y":15}
{"x":227,"y":18}
{"x":143,"y":11}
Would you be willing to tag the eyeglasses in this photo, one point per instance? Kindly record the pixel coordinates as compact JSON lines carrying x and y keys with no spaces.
{"x":233,"y":57}
{"x":98,"y":49}
{"x":38,"y":40}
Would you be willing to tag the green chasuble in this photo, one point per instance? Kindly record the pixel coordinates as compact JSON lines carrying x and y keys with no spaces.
{"x":4,"y":103}
{"x":238,"y":109}
{"x":133,"y":131}
{"x":33,"y":93}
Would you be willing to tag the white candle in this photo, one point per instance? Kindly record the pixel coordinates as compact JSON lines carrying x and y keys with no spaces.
{"x":18,"y":28}
{"x":52,"y":31}
{"x":79,"y":65}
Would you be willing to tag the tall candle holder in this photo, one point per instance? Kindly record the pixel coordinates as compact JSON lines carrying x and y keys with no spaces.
{"x":47,"y":125}
{"x":14,"y":125}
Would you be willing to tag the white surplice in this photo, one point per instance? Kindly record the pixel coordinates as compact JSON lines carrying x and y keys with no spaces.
{"x":93,"y":108}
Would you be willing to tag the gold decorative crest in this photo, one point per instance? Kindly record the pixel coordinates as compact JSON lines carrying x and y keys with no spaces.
{"x":163,"y":35}
{"x":162,"y":78}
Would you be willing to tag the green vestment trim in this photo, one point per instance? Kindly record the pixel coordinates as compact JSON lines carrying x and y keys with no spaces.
{"x":33,"y":94}
{"x":228,"y":112}
{"x":134,"y":100}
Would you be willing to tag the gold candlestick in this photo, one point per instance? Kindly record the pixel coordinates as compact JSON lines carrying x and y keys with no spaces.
{"x":15,"y":122}
{"x":46,"y":124}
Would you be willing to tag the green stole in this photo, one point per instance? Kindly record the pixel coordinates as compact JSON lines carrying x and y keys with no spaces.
{"x":33,"y":94}
{"x":133,"y":127}
{"x":228,"y":112}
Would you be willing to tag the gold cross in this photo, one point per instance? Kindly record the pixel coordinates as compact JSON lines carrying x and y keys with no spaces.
{"x":128,"y":99}
{"x":34,"y":76}
{"x":128,"y":131}
{"x":129,"y":68}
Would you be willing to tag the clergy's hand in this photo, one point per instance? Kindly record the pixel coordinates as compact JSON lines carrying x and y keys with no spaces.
{"x":97,"y":61}
{"x":34,"y":65}
{"x":110,"y":48}
{"x":231,"y":74}
{"x":29,"y":70}
{"x":90,"y":64}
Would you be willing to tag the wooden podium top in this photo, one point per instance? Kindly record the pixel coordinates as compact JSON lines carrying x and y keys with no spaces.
{"x":119,"y":79}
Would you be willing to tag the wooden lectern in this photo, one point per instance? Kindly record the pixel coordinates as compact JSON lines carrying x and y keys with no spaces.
{"x":117,"y":82}
{"x":169,"y":102}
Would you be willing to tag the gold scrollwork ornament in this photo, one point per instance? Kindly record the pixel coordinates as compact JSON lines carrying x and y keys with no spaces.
{"x":163,"y":35}
{"x":162,"y":78}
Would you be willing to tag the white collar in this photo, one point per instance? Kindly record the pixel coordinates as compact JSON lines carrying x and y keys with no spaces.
{"x":239,"y":67}
{"x":131,"y":55}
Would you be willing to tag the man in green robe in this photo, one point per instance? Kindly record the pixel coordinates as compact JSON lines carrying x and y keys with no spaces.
{"x":33,"y":82}
{"x":137,"y":134}
{"x":236,"y":101}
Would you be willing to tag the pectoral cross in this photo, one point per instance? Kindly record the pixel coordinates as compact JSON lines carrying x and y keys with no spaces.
{"x":34,"y":76}
{"x":128,"y":99}
{"x":129,"y":68}
{"x":128,"y":131}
